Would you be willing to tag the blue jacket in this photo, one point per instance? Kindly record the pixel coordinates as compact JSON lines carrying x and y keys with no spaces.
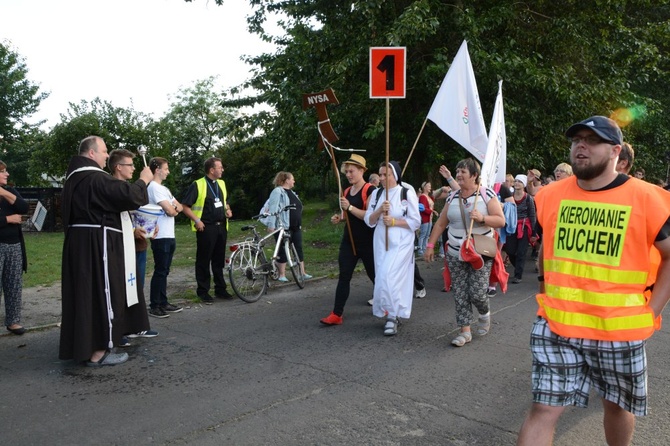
{"x":509,"y":210}
{"x":279,"y":199}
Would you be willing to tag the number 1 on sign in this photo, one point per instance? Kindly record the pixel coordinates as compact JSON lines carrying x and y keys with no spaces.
{"x":387,"y":72}
{"x":387,"y":65}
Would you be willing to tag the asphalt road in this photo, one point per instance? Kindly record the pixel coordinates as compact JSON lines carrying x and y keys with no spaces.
{"x":268,"y":373}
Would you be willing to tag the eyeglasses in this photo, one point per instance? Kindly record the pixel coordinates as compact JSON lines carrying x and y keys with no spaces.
{"x":3,"y":171}
{"x":590,"y":140}
{"x":560,"y":171}
{"x":122,"y":164}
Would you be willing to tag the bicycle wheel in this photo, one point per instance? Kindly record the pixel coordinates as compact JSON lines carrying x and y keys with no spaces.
{"x":247,"y":275}
{"x":294,"y":264}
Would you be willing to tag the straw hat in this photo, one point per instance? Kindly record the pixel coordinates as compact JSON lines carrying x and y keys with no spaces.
{"x":356,"y":160}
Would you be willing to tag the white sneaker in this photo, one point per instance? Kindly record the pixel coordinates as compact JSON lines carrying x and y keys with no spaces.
{"x":420,"y":293}
{"x":144,"y":334}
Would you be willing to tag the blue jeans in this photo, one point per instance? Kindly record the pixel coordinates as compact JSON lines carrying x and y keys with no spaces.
{"x":141,"y":263}
{"x":424,"y":235}
{"x":163,"y":249}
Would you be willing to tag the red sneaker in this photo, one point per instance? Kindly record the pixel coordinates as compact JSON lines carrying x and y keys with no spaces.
{"x":332,"y":319}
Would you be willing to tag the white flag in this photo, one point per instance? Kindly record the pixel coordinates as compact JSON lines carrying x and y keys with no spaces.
{"x":456,"y":109}
{"x":495,"y":162}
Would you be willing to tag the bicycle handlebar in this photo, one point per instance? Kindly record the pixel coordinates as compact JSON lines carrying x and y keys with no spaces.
{"x":274,"y":214}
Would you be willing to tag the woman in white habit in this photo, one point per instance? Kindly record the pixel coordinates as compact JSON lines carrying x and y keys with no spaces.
{"x":394,"y":268}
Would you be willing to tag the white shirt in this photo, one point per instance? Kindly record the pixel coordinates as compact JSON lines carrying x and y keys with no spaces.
{"x":157,"y":193}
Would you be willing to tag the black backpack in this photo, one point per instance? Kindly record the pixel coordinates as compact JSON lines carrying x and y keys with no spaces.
{"x":403,"y":196}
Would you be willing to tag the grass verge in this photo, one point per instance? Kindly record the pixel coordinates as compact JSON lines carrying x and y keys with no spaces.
{"x":321,"y":241}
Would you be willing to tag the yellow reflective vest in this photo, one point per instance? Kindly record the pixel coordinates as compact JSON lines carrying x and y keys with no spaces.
{"x":596,"y":251}
{"x":201,"y":185}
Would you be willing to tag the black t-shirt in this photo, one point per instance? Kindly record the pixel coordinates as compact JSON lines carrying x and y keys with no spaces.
{"x":362,"y":233}
{"x":11,"y":233}
{"x":295,"y":215}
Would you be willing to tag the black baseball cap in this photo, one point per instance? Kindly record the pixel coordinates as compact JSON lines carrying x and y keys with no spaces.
{"x":604,"y":127}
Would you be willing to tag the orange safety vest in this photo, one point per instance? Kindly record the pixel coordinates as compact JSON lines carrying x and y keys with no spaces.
{"x":597,"y":258}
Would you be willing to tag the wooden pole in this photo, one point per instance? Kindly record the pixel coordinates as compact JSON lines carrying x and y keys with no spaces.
{"x":339,"y":194}
{"x":414,"y":146}
{"x":388,"y":167}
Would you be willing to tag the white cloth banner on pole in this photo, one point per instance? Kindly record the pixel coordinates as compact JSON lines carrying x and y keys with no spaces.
{"x":456,"y":109}
{"x":495,"y":161}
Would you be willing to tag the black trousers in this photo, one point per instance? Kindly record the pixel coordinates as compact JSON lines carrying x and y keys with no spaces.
{"x":211,"y":252}
{"x":347,"y":261}
{"x":296,"y":238}
{"x":516,"y":249}
{"x":419,"y":284}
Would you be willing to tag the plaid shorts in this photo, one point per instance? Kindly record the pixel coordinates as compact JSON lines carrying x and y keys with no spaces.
{"x":565,"y":368}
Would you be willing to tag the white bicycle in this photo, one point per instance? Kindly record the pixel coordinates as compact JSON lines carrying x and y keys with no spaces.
{"x":249,"y":267}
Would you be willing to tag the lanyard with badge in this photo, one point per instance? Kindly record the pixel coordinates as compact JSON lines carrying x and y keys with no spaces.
{"x":217,"y":200}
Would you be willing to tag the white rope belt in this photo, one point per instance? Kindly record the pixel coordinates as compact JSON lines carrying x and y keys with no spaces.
{"x":108,"y":294}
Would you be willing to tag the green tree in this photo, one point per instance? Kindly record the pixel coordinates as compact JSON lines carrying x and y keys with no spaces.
{"x":121,"y":128}
{"x":19,"y":99}
{"x":18,"y":158}
{"x":560,"y":61}
{"x":195,"y":127}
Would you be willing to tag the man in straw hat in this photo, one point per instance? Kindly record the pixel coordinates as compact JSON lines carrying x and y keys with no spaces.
{"x":534,"y":181}
{"x":359,"y":243}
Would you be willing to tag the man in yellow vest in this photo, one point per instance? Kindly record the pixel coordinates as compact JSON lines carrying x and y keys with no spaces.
{"x":594,"y":314}
{"x":206,"y":204}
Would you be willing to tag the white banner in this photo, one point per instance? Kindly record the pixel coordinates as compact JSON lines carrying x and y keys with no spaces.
{"x":456,"y":109}
{"x":495,"y":161}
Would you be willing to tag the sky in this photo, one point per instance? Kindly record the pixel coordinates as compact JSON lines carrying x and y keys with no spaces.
{"x":126,"y":51}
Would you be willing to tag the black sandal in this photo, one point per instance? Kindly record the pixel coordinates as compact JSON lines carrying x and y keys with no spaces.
{"x":17,"y":331}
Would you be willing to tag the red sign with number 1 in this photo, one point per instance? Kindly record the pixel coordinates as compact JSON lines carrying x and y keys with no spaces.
{"x":387,"y":72}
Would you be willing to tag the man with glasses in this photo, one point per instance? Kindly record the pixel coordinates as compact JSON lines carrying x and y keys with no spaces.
{"x":595,"y":309}
{"x":136,"y":319}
